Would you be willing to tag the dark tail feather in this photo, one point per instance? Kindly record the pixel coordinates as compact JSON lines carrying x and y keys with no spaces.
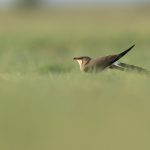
{"x":122,"y":54}
{"x":133,"y":68}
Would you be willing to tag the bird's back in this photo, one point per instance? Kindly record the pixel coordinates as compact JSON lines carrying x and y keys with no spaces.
{"x":100,"y":63}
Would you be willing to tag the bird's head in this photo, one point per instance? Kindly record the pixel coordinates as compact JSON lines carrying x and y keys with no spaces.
{"x":82,"y":60}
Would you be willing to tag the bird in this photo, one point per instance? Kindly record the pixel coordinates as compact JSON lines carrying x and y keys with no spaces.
{"x":89,"y":65}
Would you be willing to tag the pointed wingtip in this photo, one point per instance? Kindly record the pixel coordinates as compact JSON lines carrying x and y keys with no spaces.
{"x":133,"y":45}
{"x":130,"y":48}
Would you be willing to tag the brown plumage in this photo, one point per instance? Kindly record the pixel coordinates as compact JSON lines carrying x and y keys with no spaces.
{"x":88,"y":64}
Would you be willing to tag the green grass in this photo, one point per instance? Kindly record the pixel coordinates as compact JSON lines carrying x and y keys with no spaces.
{"x":47,"y":103}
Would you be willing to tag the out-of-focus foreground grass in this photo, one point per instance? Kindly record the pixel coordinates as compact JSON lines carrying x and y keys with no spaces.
{"x":46,"y":103}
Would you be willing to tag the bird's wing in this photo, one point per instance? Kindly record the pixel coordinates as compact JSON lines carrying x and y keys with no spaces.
{"x":103,"y":62}
{"x":121,"y":55}
{"x":107,"y":61}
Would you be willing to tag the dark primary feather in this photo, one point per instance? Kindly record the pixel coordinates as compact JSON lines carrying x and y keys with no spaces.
{"x":121,"y":55}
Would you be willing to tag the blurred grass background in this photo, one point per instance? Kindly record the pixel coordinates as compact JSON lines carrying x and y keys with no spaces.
{"x":47,"y":103}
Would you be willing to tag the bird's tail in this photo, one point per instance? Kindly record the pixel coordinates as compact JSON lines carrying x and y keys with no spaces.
{"x":131,"y":68}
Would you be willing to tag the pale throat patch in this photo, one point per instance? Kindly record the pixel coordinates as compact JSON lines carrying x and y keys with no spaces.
{"x":80,"y":63}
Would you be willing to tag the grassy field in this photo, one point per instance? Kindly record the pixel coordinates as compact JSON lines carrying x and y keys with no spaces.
{"x":46,"y":103}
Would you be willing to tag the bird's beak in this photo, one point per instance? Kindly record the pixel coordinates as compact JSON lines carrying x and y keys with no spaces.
{"x":75,"y":58}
